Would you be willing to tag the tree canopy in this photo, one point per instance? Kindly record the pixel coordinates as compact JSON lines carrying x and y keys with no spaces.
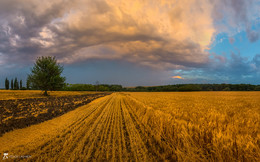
{"x":46,"y":75}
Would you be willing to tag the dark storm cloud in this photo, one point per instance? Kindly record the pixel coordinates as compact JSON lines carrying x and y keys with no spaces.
{"x":20,"y":22}
{"x":236,"y":69}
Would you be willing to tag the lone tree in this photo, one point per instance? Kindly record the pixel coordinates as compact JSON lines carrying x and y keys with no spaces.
{"x":6,"y":83}
{"x":46,"y":75}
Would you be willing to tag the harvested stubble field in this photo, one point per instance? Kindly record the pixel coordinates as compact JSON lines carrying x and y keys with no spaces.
{"x":191,"y":126}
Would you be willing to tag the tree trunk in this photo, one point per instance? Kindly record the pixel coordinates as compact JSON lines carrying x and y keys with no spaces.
{"x":45,"y":93}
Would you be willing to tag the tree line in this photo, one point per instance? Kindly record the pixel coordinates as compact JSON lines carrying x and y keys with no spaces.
{"x":164,"y":88}
{"x":196,"y":87}
{"x":90,"y":87}
{"x":14,"y":84}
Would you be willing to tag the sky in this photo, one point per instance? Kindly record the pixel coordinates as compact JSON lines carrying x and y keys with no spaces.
{"x":134,"y":42}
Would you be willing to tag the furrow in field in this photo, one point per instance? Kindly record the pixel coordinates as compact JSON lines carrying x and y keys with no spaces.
{"x":117,"y":136}
{"x":109,"y":139}
{"x":88,"y":132}
{"x":68,"y":140}
{"x":139,"y":151}
{"x":87,"y":129}
{"x":158,"y":149}
{"x":125,"y":135}
{"x":103,"y":153}
{"x":104,"y":145}
{"x":96,"y":134}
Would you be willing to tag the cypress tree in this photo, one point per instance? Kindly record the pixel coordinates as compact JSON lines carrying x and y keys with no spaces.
{"x":15,"y":83}
{"x":12,"y":84}
{"x":6,"y":83}
{"x":21,"y":84}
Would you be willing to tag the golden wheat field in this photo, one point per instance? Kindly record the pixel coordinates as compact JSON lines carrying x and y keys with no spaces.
{"x":142,"y":126}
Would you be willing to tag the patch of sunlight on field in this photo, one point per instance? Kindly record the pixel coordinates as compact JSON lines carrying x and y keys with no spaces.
{"x":22,"y":94}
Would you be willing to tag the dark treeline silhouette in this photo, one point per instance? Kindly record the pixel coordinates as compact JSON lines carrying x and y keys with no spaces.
{"x":197,"y":87}
{"x":15,"y":84}
{"x":90,"y":87}
{"x":165,"y":88}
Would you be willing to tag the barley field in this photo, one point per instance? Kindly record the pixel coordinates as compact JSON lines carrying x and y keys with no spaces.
{"x":142,"y":126}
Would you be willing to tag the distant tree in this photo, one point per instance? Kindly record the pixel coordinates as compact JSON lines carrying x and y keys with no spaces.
{"x":190,"y":87}
{"x":6,"y":83}
{"x":46,"y":75}
{"x":257,"y":88}
{"x":140,"y":88}
{"x":226,"y":89}
{"x":12,"y":84}
{"x":16,"y":84}
{"x":103,"y":88}
{"x":115,"y":88}
{"x":21,"y":84}
{"x":79,"y":87}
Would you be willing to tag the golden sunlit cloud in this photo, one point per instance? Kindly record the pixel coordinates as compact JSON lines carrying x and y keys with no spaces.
{"x":158,"y":34}
{"x":177,"y":77}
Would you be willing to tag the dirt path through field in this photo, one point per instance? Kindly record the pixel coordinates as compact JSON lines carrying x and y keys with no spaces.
{"x":105,"y":129}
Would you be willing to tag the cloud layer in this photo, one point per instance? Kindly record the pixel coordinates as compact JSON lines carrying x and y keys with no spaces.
{"x":162,"y":34}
